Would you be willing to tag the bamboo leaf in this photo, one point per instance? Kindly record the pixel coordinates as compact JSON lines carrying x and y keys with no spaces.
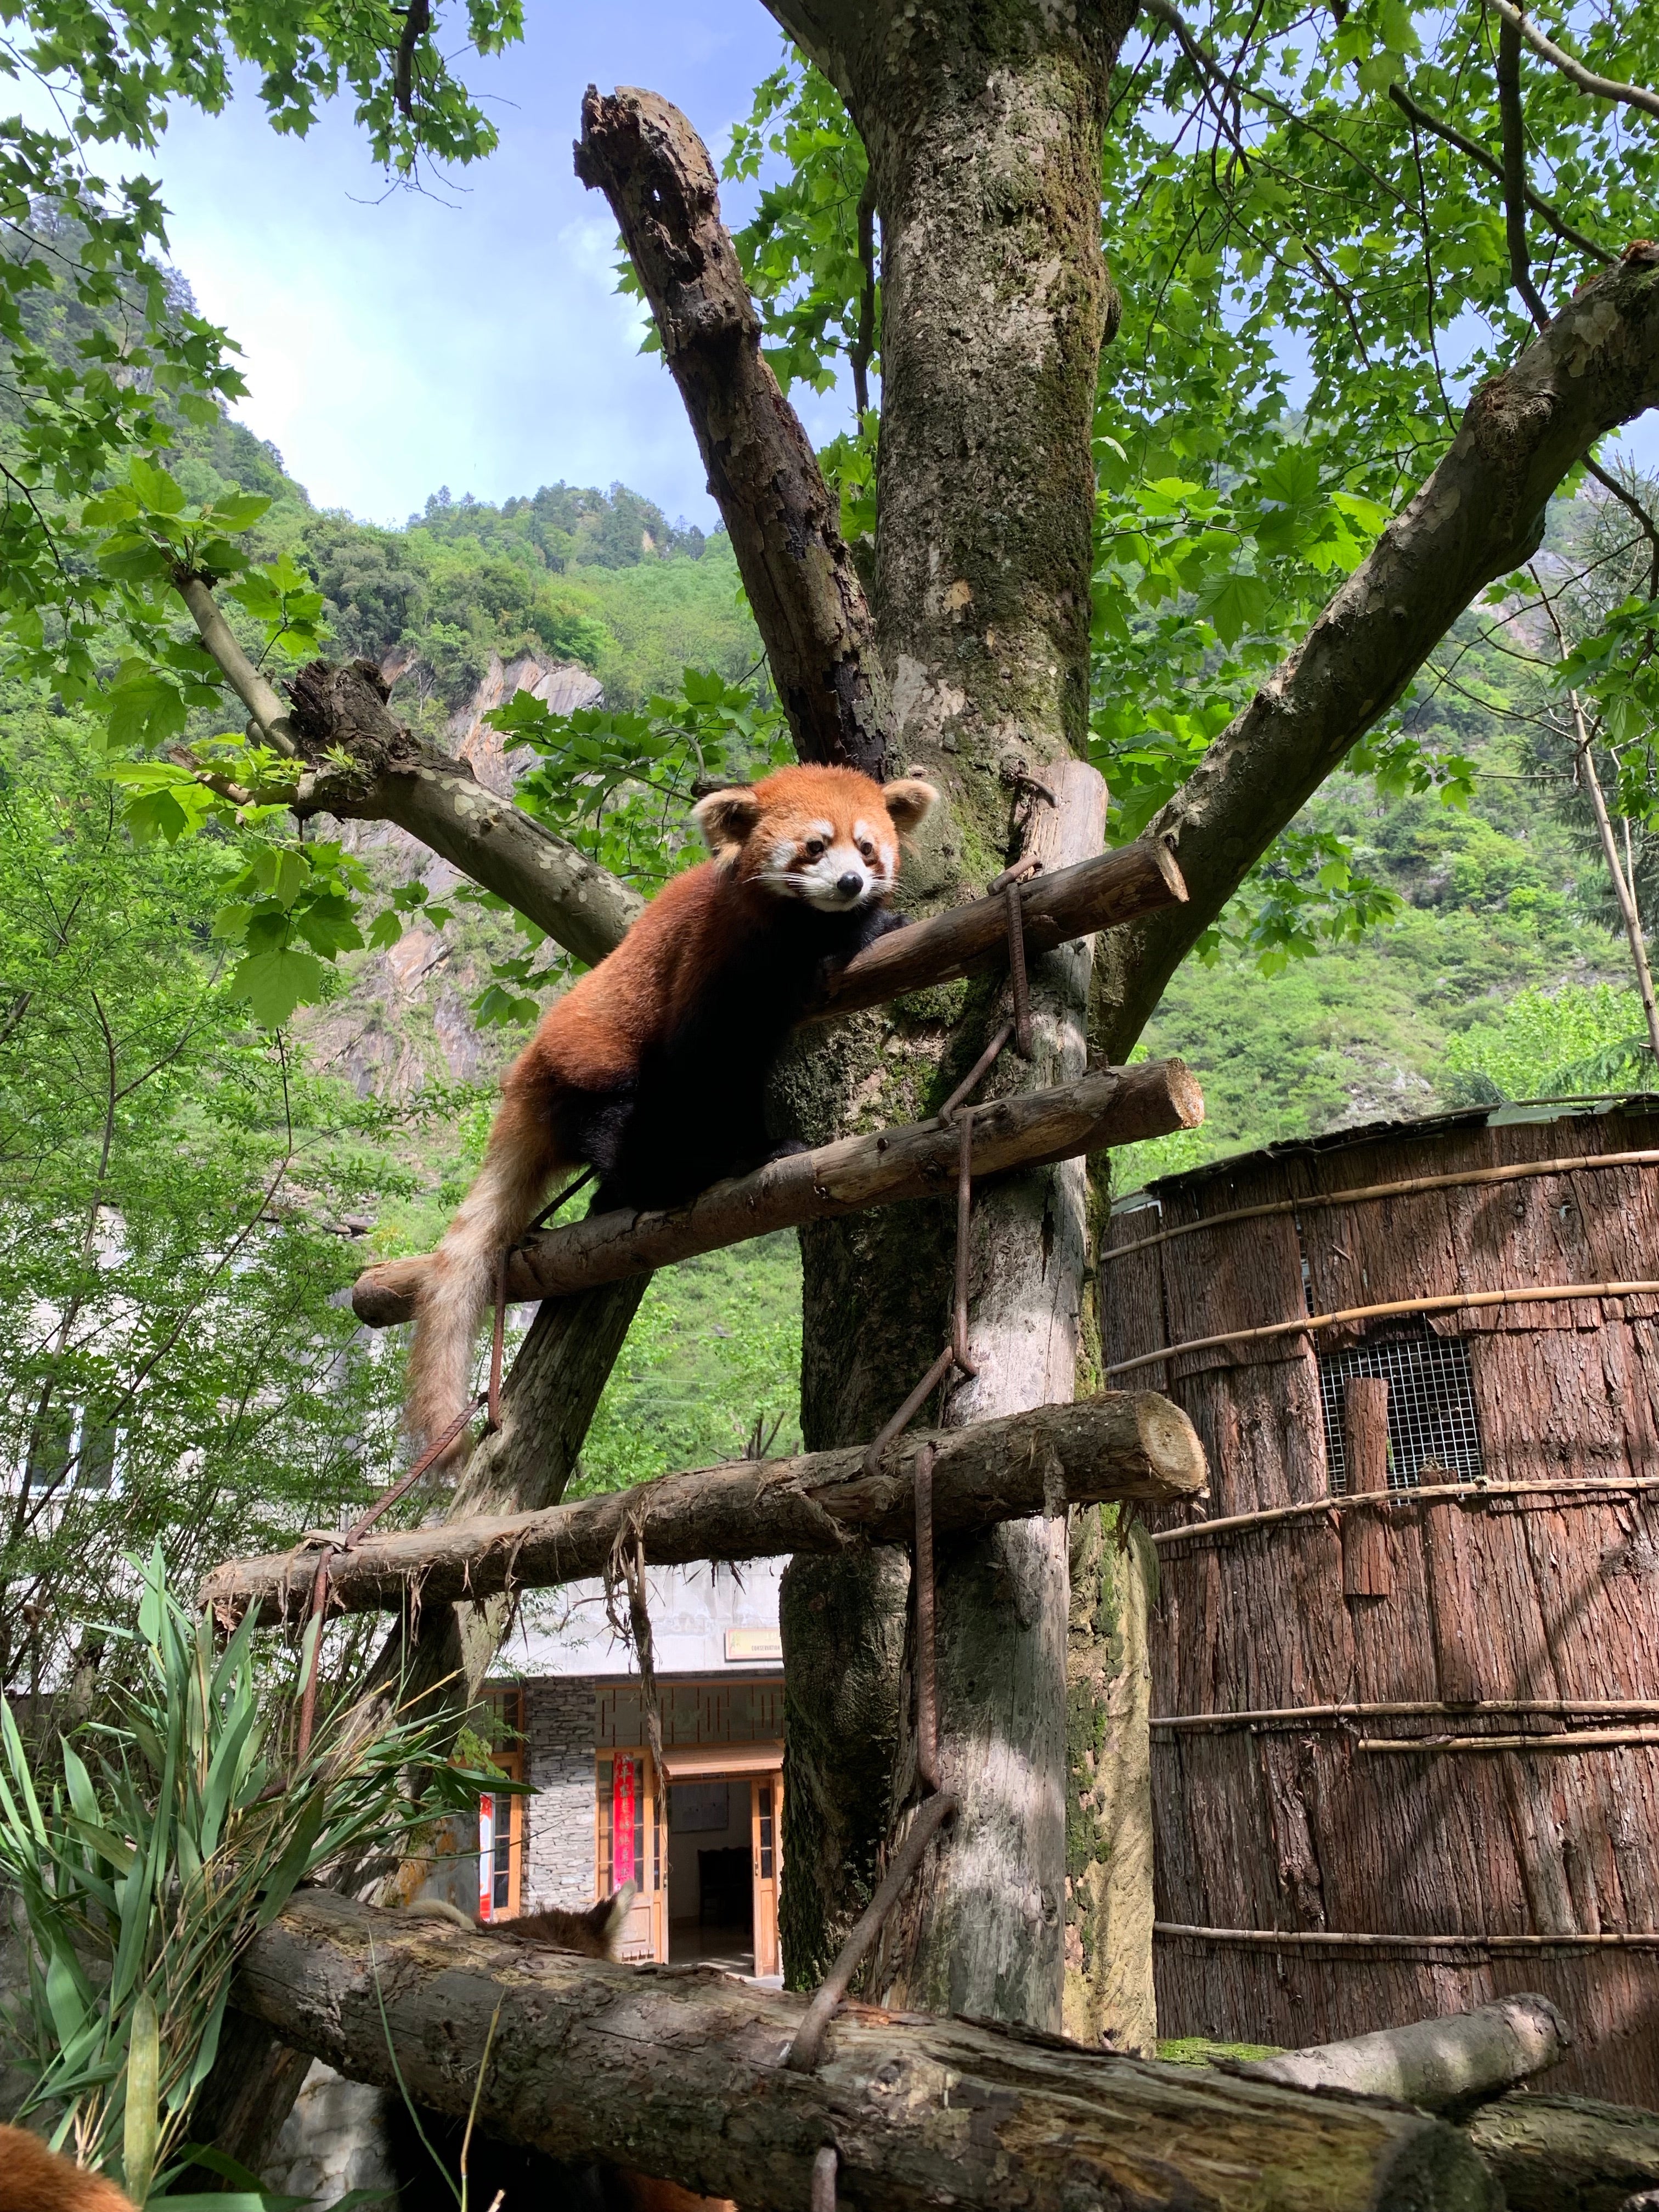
{"x":141,"y":2118}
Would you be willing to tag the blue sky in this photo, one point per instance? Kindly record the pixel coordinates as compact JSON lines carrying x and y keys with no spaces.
{"x":394,"y":344}
{"x":472,"y":338}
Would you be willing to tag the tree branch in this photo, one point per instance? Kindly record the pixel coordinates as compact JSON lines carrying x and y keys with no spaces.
{"x":1515,"y":171}
{"x":1603,"y":88}
{"x":1551,"y":214}
{"x":1119,"y":1445}
{"x":1113,"y":1106}
{"x":255,"y":691}
{"x":1478,"y":516}
{"x":392,"y":777}
{"x":785,"y":522}
{"x":386,"y":775}
{"x":649,"y":2065}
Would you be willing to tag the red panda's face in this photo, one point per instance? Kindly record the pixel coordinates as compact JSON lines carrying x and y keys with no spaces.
{"x":825,"y":835}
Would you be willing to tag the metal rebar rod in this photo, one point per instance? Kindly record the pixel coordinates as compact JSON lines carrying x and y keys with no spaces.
{"x":964,"y":1212}
{"x":926,"y":1678}
{"x":976,"y":1073}
{"x":908,"y":1412}
{"x":807,"y":2048}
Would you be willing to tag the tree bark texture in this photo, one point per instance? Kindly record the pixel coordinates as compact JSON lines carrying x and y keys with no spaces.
{"x":1568,"y":2154}
{"x":1062,"y":1122}
{"x":395,"y":778}
{"x":981,"y":1927}
{"x":1122,"y":1445}
{"x":1480,"y":516}
{"x":679,"y":2071}
{"x":1108,"y":1998}
{"x":785,"y":521}
{"x":983,"y":130}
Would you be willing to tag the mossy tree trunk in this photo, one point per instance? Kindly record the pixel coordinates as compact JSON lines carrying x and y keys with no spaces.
{"x":983,"y":127}
{"x":1108,"y":1997}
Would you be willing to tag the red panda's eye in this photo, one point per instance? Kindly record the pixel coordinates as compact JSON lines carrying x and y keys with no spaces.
{"x":813,"y":848}
{"x":868,"y":849}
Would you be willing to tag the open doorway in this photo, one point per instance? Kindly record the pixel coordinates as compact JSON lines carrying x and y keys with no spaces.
{"x":711,"y":1903}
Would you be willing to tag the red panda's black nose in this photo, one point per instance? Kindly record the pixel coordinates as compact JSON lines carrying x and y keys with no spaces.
{"x":850,"y":885}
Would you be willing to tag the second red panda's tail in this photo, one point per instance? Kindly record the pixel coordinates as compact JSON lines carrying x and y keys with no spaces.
{"x":519,"y":1161}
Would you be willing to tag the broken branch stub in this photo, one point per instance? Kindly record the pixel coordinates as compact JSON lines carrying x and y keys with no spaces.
{"x":394,"y":777}
{"x":1123,"y":1444}
{"x":1113,"y":1106}
{"x":784,"y":521}
{"x":679,"y":2071}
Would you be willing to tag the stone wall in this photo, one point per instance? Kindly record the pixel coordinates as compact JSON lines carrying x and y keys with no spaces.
{"x":334,"y":2139}
{"x":559,"y":1736}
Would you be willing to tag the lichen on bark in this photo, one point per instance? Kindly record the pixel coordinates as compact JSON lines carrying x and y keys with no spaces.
{"x":1109,"y":1998}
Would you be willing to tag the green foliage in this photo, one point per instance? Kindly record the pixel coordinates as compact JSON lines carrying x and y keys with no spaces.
{"x":714,"y":1348}
{"x":146,"y":1870}
{"x":801,"y":255}
{"x":173,"y":1186}
{"x":1547,"y":1044}
{"x":618,"y":784}
{"x":106,"y":361}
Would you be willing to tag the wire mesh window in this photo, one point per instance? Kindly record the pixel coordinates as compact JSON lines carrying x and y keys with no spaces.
{"x":1433,"y":1434}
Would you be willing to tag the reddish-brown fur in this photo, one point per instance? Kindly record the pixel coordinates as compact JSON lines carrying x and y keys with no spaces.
{"x":653,"y":1065}
{"x":35,"y":2179}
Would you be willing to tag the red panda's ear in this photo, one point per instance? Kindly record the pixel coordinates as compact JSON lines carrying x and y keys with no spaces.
{"x":909,"y":801}
{"x":726,"y":817}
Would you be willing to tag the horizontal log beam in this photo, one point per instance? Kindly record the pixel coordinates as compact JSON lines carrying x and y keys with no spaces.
{"x":1113,"y":1106}
{"x":679,"y":2071}
{"x":1129,"y":1445}
{"x":1099,"y":893}
{"x":1437,"y":2063}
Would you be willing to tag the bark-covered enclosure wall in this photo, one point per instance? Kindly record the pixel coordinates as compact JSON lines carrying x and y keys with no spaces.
{"x":1295,"y":1820}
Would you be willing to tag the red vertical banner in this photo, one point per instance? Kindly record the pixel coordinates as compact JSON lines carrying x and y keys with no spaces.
{"x":487,"y":1858}
{"x":622,"y":1868}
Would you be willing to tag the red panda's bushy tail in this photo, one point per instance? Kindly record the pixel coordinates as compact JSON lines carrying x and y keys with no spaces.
{"x":460,"y":1284}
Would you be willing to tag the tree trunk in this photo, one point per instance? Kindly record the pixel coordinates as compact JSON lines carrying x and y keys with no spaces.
{"x":675,"y":2070}
{"x":1109,"y":1999}
{"x":981,"y":1929}
{"x":983,"y":128}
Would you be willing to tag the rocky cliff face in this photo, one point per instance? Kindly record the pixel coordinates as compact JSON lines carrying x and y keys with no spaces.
{"x":403,"y":1021}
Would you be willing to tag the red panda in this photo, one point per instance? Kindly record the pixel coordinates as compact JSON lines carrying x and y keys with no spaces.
{"x":652,"y":1067}
{"x":35,"y":2179}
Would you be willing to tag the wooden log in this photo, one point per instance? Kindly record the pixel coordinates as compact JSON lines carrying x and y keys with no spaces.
{"x":1121,"y":1445}
{"x":1098,"y":893}
{"x":1113,"y":1106}
{"x":1435,"y":2063}
{"x":1365,"y":1570}
{"x":679,"y":2071}
{"x":1567,"y":2154}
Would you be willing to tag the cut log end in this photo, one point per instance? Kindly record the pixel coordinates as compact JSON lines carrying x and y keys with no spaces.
{"x":1171,"y":1442}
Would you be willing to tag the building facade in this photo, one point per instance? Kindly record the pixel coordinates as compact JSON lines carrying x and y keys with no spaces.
{"x":703,"y":1840}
